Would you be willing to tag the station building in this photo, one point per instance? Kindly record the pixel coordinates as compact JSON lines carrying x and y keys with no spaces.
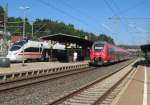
{"x":146,"y":49}
{"x":72,"y":43}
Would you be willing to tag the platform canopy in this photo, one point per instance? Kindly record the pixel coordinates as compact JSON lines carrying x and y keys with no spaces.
{"x":65,"y":38}
{"x":145,"y":48}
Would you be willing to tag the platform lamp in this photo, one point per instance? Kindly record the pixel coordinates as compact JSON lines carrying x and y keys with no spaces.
{"x":24,"y":25}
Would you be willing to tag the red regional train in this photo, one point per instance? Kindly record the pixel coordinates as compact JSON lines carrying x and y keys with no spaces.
{"x":103,"y":52}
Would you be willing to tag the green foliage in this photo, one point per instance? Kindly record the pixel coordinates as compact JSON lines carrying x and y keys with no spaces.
{"x":1,"y":17}
{"x":104,"y":37}
{"x":43,"y":27}
{"x":47,"y":27}
{"x":15,"y":27}
{"x":1,"y":13}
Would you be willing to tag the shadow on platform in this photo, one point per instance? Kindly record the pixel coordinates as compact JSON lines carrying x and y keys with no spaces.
{"x":143,"y":63}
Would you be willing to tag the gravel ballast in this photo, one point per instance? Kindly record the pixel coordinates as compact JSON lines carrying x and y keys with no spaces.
{"x":45,"y":92}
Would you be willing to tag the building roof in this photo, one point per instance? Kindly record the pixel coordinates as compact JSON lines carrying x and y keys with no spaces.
{"x":65,"y":38}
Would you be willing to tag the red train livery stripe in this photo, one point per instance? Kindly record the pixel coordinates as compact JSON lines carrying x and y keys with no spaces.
{"x":30,"y":54}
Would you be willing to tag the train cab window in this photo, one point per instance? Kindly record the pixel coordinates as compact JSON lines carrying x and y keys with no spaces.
{"x":31,"y":49}
{"x":15,"y":47}
{"x":18,"y":45}
{"x":111,"y":50}
{"x":98,"y":47}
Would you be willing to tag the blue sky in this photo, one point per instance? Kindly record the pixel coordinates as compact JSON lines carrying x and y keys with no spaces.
{"x":126,"y":21}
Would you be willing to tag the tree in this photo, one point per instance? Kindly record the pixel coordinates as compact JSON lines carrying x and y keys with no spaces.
{"x":15,"y":25}
{"x":1,"y":17}
{"x":104,"y":37}
{"x":44,"y":27}
{"x":1,"y":13}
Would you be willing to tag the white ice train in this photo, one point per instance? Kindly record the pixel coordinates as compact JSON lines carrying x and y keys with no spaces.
{"x":32,"y":50}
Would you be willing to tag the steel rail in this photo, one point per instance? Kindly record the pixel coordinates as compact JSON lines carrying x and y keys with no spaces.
{"x":78,"y":91}
{"x":35,"y":80}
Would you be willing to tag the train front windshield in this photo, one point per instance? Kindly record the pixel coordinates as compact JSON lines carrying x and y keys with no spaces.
{"x":16,"y":46}
{"x":98,"y":47}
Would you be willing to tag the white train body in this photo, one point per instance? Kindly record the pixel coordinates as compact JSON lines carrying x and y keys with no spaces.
{"x":32,"y":50}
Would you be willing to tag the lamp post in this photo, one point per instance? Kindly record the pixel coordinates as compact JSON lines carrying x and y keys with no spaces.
{"x":5,"y":33}
{"x":32,"y":23}
{"x":24,"y":24}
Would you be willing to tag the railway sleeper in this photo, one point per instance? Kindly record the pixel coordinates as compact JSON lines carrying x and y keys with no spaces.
{"x":75,"y":103}
{"x":87,"y":95}
{"x":72,"y":101}
{"x":84,"y":98}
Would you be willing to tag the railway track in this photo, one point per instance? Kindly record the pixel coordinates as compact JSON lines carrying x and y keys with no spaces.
{"x":41,"y":78}
{"x":100,"y":92}
{"x":35,"y":80}
{"x":49,"y":90}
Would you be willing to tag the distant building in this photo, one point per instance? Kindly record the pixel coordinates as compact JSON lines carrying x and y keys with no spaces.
{"x":3,"y":45}
{"x":134,"y":51}
{"x":15,"y":38}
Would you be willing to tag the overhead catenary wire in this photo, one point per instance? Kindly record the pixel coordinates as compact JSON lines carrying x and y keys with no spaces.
{"x":116,"y":14}
{"x":110,"y":7}
{"x":19,"y":26}
{"x":83,"y":22}
{"x":61,"y":11}
{"x":40,"y":28}
{"x":120,"y":18}
{"x":92,"y":18}
{"x":128,"y":18}
{"x":132,"y":7}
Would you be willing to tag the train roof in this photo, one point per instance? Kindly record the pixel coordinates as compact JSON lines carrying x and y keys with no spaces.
{"x":102,"y":42}
{"x":112,"y":46}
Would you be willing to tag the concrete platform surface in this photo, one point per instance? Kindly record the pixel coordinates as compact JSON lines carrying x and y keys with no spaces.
{"x":137,"y":90}
{"x":17,"y":67}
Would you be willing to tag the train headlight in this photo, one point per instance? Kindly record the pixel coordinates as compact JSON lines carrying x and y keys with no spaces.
{"x":96,"y":59}
{"x":15,"y":53}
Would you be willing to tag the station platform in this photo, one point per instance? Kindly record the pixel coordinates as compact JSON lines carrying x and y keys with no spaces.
{"x":137,"y":90}
{"x":36,"y":66}
{"x":30,"y":70}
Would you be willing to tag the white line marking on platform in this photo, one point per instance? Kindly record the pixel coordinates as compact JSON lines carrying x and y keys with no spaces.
{"x":145,"y":88}
{"x":116,"y":100}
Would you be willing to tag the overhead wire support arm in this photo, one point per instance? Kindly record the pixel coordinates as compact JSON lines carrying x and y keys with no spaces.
{"x":5,"y":33}
{"x":48,"y":4}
